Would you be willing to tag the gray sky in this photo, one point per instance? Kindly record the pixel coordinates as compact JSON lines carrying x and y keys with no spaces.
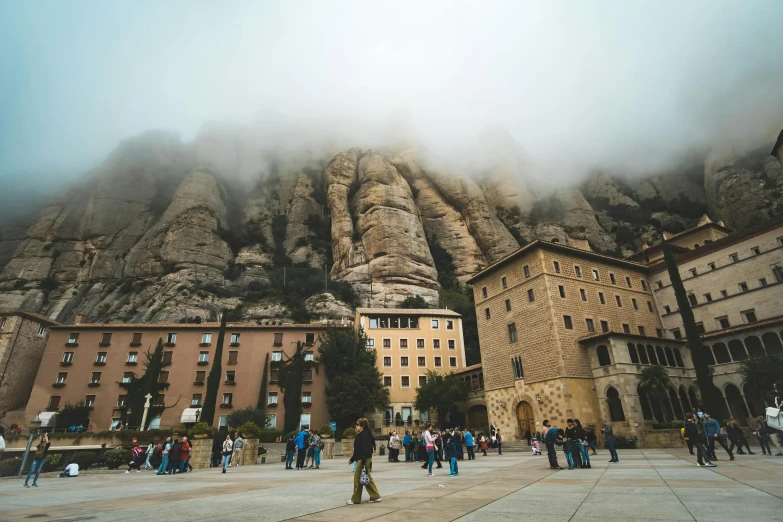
{"x":618,"y":84}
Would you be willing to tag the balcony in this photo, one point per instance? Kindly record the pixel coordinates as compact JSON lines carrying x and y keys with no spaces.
{"x":231,"y":362}
{"x":93,"y":384}
{"x":169,"y":344}
{"x":306,"y":404}
{"x":131,"y":363}
{"x":198,"y":383}
{"x":136,"y":343}
{"x":58,"y":385}
{"x":99,"y":363}
{"x":234,"y":344}
{"x":71,"y":344}
{"x":65,"y":363}
{"x":203,"y":363}
{"x":272,"y":405}
{"x":205,"y":344}
{"x":226,"y":406}
{"x":230,"y":383}
{"x":103,"y":345}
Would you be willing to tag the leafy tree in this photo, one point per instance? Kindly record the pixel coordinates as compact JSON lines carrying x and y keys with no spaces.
{"x":355,"y":386}
{"x":137,"y":389}
{"x":710,"y":397}
{"x":290,"y":377}
{"x":655,"y":380}
{"x":73,"y":415}
{"x":413,"y":302}
{"x":760,"y":374}
{"x":245,"y":415}
{"x":213,"y":380}
{"x":440,"y":393}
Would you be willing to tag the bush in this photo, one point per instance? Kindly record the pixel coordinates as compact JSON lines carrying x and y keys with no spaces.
{"x":84,"y":459}
{"x":269,"y":435}
{"x":9,"y":467}
{"x":245,"y":415}
{"x":250,"y":430}
{"x":349,"y":433}
{"x":116,"y":457}
{"x":326,"y":431}
{"x":202,"y":428}
{"x":53,"y":461}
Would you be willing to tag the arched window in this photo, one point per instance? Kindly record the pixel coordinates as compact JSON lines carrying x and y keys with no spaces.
{"x":772,"y":343}
{"x":754,"y":346}
{"x":603,"y":356}
{"x":645,"y":403}
{"x":632,"y":353}
{"x":643,"y":354}
{"x":615,"y":405}
{"x":737,"y":404}
{"x":670,"y":356}
{"x":721,"y":353}
{"x":754,"y":399}
{"x":708,"y":354}
{"x":737,"y":350}
{"x":678,"y":358}
{"x":651,"y":355}
{"x":692,"y":397}
{"x":686,"y":403}
{"x":678,"y":413}
{"x":661,"y":356}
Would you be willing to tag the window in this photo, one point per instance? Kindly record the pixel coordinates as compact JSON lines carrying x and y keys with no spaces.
{"x":127,"y":377}
{"x":95,"y":378}
{"x":452,"y":344}
{"x":601,"y":298}
{"x":667,"y":309}
{"x":370,"y":345}
{"x":274,"y":375}
{"x":405,"y":381}
{"x":590,"y":325}
{"x":223,"y":422}
{"x":659,"y":284}
{"x":641,"y":330}
{"x":227,"y":399}
{"x":743,"y":287}
{"x":707,"y":297}
{"x":749,"y":315}
{"x":504,"y":282}
{"x":121,"y":399}
{"x":234,"y":338}
{"x":230,"y":376}
{"x":635,"y":304}
{"x":309,"y":338}
{"x":404,"y":361}
{"x":531,"y":296}
{"x":626,"y":328}
{"x":272,"y":398}
{"x":200,"y":376}
{"x":309,"y":356}
{"x":724,"y":293}
{"x":67,"y":357}
{"x":569,"y":325}
{"x":278,"y":339}
{"x":649,"y":306}
{"x":692,"y":300}
{"x":644,"y":285}
{"x":387,"y":381}
{"x":486,"y":313}
{"x":449,"y":324}
{"x":628,"y":282}
{"x":195,"y":399}
{"x":136,"y":339}
{"x":386,"y":343}
{"x":583,"y":294}
{"x":756,"y":251}
{"x":233,"y":354}
{"x":163,"y":377}
{"x":73,"y":338}
{"x":508,"y":305}
{"x":676,"y":333}
{"x":307,"y":397}
{"x":159,"y":400}
{"x":54,"y":402}
{"x":526,"y":270}
{"x":133,"y":357}
{"x":512,"y":332}
{"x":373,"y":322}
{"x":516,"y":367}
{"x":693,"y":272}
{"x":711,"y":266}
{"x":436,"y":344}
{"x":612,"y":279}
{"x":101,"y":358}
{"x":577,"y":271}
{"x":203,"y":357}
{"x":404,"y":344}
{"x":557,"y":266}
{"x":421,"y":362}
{"x":700,"y":328}
{"x":61,"y":377}
{"x":438,"y":362}
{"x":561,"y":290}
{"x":659,"y":333}
{"x":206,"y":338}
{"x":619,"y":301}
{"x":419,"y":344}
{"x":422,"y":380}
{"x":387,"y":362}
{"x":105,"y":339}
{"x":484,"y":291}
{"x":278,"y":356}
{"x":3,"y":321}
{"x":603,"y":356}
{"x":452,"y":362}
{"x":723,"y":322}
{"x":596,"y":277}
{"x":89,"y":401}
{"x":605,"y":326}
{"x":171,"y":338}
{"x":734,"y":258}
{"x":434,"y":324}
{"x":41,"y":332}
{"x":778,"y":272}
{"x":763,"y":281}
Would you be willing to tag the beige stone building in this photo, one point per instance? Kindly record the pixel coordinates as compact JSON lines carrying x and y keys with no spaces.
{"x":23,"y":336}
{"x":409,"y":343}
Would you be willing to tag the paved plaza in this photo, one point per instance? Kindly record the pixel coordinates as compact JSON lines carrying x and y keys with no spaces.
{"x":646,"y":484}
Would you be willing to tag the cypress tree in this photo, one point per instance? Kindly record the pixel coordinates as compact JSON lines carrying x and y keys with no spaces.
{"x":138,"y":388}
{"x":711,"y":400}
{"x":262,"y":393}
{"x":291,"y":375}
{"x":213,"y":380}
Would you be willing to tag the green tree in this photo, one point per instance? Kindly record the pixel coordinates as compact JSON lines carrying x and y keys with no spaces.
{"x":137,"y":389}
{"x":655,"y":380}
{"x":290,"y":377}
{"x":73,"y":415}
{"x":261,"y":405}
{"x":355,"y":386}
{"x":414,"y":302}
{"x":213,"y":380}
{"x":760,"y":374}
{"x":710,"y":397}
{"x":440,"y":393}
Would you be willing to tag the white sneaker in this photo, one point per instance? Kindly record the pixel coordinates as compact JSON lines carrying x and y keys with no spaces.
{"x":349,"y":503}
{"x":376,"y":500}
{"x":127,"y":471}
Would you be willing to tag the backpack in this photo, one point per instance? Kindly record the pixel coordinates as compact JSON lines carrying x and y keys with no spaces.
{"x":321,"y":444}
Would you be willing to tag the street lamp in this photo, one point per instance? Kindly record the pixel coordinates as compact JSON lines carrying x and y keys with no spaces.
{"x":35,"y":425}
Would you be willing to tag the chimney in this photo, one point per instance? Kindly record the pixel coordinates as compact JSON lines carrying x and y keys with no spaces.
{"x":79,"y":319}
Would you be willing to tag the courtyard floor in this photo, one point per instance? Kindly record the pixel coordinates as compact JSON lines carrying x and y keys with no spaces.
{"x":646,"y":484}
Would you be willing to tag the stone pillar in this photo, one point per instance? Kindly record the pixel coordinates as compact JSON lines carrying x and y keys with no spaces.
{"x":347,"y":447}
{"x":250,"y":452}
{"x":328,"y":451}
{"x":201,"y":452}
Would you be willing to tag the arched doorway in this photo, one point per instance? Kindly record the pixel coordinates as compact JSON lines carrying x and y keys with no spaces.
{"x":737,"y":404}
{"x":755,"y":400}
{"x":615,"y":405}
{"x":525,"y":419}
{"x":477,"y":418}
{"x":675,"y":400}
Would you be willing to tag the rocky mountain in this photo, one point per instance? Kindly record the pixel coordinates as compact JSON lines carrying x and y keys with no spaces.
{"x":169,"y":231}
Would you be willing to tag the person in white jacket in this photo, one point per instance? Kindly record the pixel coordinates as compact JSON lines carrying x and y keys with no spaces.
{"x":429,"y":443}
{"x":228,"y":448}
{"x":149,"y":452}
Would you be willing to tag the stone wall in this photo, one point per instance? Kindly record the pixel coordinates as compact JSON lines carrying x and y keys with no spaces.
{"x":661,"y":439}
{"x":201,"y":453}
{"x":21,"y":349}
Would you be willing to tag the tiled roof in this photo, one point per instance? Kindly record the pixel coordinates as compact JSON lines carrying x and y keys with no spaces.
{"x":469,"y":369}
{"x":745,"y":327}
{"x":38,"y":318}
{"x":202,"y":326}
{"x":434,"y":312}
{"x":674,"y":248}
{"x":602,"y":336}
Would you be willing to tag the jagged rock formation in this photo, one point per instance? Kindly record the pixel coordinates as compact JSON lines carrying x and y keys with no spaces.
{"x":163,"y":230}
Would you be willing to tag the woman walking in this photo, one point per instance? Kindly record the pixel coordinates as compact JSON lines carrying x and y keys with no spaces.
{"x":228,"y":449}
{"x":737,"y":437}
{"x":39,"y":457}
{"x":150,"y":450}
{"x":315,"y":444}
{"x":362,"y":456}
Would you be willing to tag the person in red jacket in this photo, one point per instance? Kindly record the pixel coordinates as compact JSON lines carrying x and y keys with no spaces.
{"x":184,"y":454}
{"x":137,"y":456}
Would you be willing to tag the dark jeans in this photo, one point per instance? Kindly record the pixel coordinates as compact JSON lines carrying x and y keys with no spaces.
{"x":612,"y":451}
{"x":500,"y":448}
{"x":551,"y":453}
{"x":289,"y":459}
{"x":701,"y":452}
{"x":711,"y":445}
{"x":765,"y":446}
{"x":173,"y":466}
{"x":739,"y":443}
{"x":300,"y":457}
{"x":471,"y":455}
{"x":690,"y":445}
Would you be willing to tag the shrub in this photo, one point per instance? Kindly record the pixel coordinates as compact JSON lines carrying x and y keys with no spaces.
{"x":84,"y":459}
{"x":9,"y":467}
{"x":53,"y":461}
{"x":202,"y":428}
{"x":269,"y":435}
{"x":249,"y":414}
{"x":116,"y":457}
{"x":349,"y":433}
{"x":326,"y":430}
{"x":250,"y":430}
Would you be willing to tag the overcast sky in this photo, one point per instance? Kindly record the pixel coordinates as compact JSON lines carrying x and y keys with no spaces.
{"x":630,"y":85}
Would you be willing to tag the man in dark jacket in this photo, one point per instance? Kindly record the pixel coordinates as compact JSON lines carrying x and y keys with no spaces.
{"x":551,"y":438}
{"x":697,"y":437}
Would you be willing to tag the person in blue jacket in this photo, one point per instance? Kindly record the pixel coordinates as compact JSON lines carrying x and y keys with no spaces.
{"x":469,"y":444}
{"x":552,"y":437}
{"x":300,"y":439}
{"x":712,"y":432}
{"x":406,"y":443}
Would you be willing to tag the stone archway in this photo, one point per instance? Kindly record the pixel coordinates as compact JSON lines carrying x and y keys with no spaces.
{"x":525,"y":419}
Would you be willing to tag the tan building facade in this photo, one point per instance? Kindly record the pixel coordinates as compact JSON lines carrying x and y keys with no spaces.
{"x":23,"y":338}
{"x":409,"y":343}
{"x":87,"y":362}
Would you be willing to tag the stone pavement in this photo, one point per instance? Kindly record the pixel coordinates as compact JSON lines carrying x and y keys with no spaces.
{"x":646,"y":484}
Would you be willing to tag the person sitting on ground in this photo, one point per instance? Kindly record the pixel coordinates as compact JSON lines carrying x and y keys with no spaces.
{"x":71,"y":470}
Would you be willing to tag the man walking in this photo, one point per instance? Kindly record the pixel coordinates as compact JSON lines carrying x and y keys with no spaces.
{"x":239,"y":443}
{"x":500,"y":442}
{"x":164,"y":462}
{"x":692,"y":432}
{"x":712,"y":431}
{"x":608,"y":434}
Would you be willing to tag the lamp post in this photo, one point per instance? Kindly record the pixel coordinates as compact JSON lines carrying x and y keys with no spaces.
{"x":35,"y":424}
{"x":146,"y":409}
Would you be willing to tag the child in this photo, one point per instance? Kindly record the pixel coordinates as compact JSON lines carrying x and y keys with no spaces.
{"x":536,"y":445}
{"x":451,"y":454}
{"x":762,"y":432}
